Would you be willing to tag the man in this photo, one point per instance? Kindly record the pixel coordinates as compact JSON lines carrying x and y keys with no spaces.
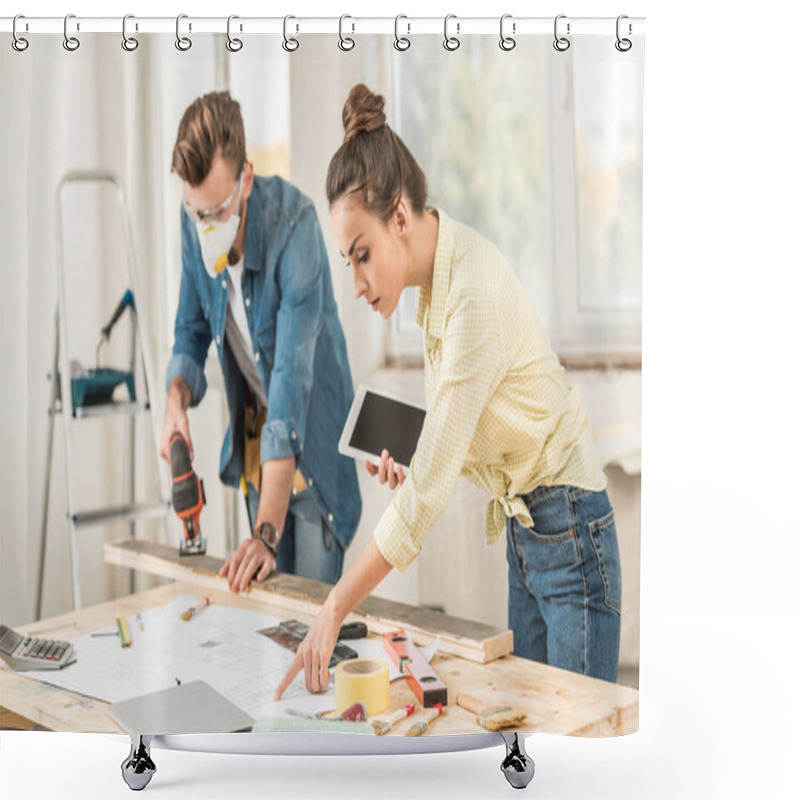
{"x":256,"y":281}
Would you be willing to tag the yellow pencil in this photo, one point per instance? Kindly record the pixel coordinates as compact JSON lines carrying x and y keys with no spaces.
{"x":124,"y":635}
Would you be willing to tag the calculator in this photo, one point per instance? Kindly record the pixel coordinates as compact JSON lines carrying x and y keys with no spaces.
{"x":29,"y":652}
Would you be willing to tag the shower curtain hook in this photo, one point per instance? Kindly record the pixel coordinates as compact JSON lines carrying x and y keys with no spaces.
{"x":451,"y":42}
{"x":507,"y":42}
{"x":183,"y":43}
{"x":290,"y":44}
{"x":401,"y":42}
{"x":346,"y":43}
{"x":561,"y":43}
{"x":19,"y":43}
{"x":623,"y":45}
{"x":129,"y":43}
{"x":233,"y":45}
{"x":70,"y":43}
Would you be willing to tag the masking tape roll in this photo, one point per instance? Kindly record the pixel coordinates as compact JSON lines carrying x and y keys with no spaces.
{"x":364,"y":679}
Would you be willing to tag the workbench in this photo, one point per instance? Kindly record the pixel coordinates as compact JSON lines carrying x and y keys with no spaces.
{"x":556,"y":701}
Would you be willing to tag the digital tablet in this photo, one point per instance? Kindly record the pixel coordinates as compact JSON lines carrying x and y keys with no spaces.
{"x":379,"y":421}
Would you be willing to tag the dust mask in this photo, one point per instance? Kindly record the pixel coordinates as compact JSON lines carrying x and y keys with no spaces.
{"x":216,"y":239}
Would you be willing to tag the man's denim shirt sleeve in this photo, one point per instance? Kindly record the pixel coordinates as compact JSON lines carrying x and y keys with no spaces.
{"x":192,"y":328}
{"x":299,"y":323}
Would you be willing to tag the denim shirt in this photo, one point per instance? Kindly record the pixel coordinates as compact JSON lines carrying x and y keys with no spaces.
{"x":298,"y":342}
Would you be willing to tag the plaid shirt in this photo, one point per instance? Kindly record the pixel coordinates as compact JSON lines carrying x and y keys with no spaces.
{"x":499,"y":410}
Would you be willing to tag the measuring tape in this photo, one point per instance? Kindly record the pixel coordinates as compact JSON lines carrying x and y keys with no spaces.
{"x":362,"y":679}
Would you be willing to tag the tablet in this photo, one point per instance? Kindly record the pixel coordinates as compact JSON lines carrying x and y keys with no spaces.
{"x":378,"y":421}
{"x":193,"y":707}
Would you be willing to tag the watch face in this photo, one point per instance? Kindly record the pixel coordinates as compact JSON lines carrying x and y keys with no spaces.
{"x":270,"y":534}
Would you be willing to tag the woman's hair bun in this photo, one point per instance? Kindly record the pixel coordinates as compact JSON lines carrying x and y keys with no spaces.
{"x":377,"y":167}
{"x":363,"y":112}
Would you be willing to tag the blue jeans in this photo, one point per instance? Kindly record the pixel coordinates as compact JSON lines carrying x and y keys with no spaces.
{"x":308,"y":548}
{"x":564,"y":583}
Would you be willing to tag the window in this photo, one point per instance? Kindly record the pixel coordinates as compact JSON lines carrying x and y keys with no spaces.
{"x":597,"y":190}
{"x":552,"y":176}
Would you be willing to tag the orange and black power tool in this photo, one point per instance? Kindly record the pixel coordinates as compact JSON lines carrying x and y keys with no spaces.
{"x":188,"y":497}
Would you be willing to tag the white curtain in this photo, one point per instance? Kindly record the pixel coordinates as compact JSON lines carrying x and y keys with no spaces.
{"x":61,"y":112}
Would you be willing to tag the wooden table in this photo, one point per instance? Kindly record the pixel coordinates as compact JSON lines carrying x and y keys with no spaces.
{"x":555,"y":700}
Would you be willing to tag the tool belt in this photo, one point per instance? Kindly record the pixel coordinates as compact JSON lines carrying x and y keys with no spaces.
{"x":254,"y":418}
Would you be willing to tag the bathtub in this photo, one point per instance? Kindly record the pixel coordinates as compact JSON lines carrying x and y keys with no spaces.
{"x":139,"y":767}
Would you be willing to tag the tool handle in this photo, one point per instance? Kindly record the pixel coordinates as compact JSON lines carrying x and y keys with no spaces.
{"x":127,"y":300}
{"x":469,"y":702}
{"x":430,"y":714}
{"x":352,"y":630}
{"x":179,"y":454}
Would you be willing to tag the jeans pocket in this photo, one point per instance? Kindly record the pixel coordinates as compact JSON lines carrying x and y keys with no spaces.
{"x":548,"y":551}
{"x":550,"y":544}
{"x":603,"y":533}
{"x":550,"y":563}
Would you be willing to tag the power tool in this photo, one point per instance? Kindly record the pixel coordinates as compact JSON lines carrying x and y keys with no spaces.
{"x":92,"y":387}
{"x":188,"y":497}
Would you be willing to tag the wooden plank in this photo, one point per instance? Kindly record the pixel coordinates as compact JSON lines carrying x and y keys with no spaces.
{"x":556,"y":701}
{"x":9,"y":721}
{"x":295,"y":595}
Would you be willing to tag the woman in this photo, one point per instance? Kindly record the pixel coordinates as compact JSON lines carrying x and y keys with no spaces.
{"x":498,"y":411}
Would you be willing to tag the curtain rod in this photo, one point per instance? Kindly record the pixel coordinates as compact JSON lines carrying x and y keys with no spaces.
{"x":348,"y":25}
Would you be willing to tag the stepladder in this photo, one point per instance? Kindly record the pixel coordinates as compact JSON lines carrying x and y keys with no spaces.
{"x":81,"y":394}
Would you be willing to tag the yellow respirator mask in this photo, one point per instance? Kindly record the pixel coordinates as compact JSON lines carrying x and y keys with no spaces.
{"x":216,"y":239}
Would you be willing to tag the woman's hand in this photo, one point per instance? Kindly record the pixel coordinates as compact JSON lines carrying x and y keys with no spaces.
{"x":314,"y":653}
{"x":387,"y":470}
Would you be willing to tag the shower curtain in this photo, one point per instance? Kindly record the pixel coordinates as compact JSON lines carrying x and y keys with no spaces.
{"x":532,"y":152}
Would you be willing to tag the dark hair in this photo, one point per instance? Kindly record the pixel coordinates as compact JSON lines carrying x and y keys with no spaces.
{"x":212,"y":122}
{"x":373,"y":160}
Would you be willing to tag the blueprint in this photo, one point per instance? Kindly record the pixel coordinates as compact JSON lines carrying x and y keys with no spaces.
{"x":220,"y":645}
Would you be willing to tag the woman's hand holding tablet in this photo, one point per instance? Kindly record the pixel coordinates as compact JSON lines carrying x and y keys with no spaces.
{"x":387,"y":470}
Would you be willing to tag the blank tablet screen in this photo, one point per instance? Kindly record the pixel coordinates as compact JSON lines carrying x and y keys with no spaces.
{"x":390,"y":424}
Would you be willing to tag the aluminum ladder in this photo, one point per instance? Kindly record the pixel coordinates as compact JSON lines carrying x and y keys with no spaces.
{"x":61,"y":401}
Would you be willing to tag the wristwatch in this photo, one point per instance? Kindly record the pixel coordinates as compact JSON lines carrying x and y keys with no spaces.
{"x":270,"y":535}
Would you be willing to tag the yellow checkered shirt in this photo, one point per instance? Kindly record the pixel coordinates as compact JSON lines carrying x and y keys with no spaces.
{"x":499,"y":409}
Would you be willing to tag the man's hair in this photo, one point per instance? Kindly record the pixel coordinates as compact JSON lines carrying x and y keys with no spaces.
{"x":211,"y":123}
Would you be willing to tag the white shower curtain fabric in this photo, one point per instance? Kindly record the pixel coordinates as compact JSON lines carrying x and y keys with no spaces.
{"x":536,"y":151}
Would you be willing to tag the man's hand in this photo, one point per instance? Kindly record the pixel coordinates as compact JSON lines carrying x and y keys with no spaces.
{"x":387,"y":470}
{"x":175,"y":419}
{"x":252,"y":557}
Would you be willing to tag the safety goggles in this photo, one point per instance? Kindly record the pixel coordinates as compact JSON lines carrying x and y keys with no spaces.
{"x":218,"y":212}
